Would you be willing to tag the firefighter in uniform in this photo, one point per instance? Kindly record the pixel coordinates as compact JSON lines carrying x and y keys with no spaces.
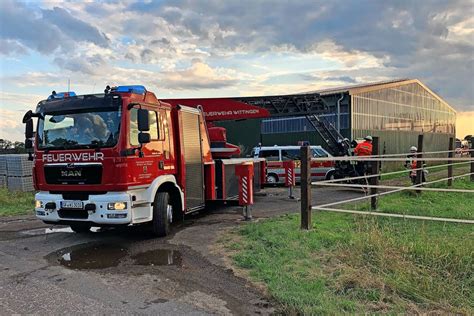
{"x":363,"y":149}
{"x":410,"y":163}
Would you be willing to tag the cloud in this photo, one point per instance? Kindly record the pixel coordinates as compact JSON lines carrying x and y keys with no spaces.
{"x":430,"y":40}
{"x":45,"y":30}
{"x":90,"y":65}
{"x":350,"y":59}
{"x":198,"y":76}
{"x":73,"y":27}
{"x":10,"y":124}
{"x":464,"y":124}
{"x":12,"y":48}
{"x":34,"y":79}
{"x":12,"y":108}
{"x":155,"y":42}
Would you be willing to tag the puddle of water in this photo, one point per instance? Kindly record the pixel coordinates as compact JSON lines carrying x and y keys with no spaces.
{"x":98,"y":256}
{"x":158,"y":257}
{"x":44,"y":231}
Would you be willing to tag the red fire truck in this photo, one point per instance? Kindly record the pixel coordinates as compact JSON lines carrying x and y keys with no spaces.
{"x":125,"y":158}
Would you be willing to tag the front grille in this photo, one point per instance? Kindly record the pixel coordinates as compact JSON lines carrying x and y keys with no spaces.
{"x":76,"y":214}
{"x":73,"y":174}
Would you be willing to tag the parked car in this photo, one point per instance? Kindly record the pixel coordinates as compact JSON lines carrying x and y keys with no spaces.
{"x":275,"y":155}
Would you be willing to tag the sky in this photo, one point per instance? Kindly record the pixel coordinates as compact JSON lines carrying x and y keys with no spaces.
{"x":181,"y":49}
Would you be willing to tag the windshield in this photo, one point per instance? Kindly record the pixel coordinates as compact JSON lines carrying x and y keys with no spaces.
{"x":92,"y":129}
{"x":317,"y":152}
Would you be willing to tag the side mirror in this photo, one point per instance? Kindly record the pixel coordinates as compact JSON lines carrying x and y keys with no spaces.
{"x":28,"y":144}
{"x":29,"y":135}
{"x":29,"y":129}
{"x":28,"y":115}
{"x":143,"y":121}
{"x":144,"y":138}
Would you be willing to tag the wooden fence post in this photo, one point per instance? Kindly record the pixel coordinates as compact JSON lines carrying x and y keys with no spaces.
{"x":305,"y":175}
{"x":419,"y":163}
{"x":450,"y":166}
{"x":472,"y":161}
{"x":375,"y":168}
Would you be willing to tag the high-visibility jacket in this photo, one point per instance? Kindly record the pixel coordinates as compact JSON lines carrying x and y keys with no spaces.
{"x":413,"y":167}
{"x":363,"y":149}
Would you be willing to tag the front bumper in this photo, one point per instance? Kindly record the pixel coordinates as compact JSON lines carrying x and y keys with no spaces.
{"x":101,"y":215}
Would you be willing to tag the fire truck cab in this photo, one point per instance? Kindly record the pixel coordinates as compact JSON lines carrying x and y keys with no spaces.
{"x":119,"y":158}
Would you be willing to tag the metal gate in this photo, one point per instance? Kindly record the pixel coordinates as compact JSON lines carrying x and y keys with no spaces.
{"x":193,"y":159}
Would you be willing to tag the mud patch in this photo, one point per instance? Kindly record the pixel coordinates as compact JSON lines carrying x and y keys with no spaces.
{"x":87,"y":257}
{"x":158,"y":257}
{"x":45,"y":231}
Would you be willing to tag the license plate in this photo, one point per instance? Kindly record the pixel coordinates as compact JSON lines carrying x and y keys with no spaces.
{"x":72,"y":204}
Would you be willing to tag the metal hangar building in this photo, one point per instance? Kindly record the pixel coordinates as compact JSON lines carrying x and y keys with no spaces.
{"x":396,"y":111}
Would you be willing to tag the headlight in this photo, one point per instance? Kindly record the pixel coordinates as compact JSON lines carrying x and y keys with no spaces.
{"x":117,"y":206}
{"x":38,"y":204}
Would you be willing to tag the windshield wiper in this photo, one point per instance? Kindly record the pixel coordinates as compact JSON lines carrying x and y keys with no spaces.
{"x":97,"y":144}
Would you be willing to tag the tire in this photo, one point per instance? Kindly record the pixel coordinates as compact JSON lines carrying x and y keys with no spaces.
{"x":81,"y":228}
{"x":330,"y":176}
{"x":272,"y":179}
{"x":162,"y":214}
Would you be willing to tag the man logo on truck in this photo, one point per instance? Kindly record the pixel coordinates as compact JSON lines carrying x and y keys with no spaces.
{"x":71,"y":173}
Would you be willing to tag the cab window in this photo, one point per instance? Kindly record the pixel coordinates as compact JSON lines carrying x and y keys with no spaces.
{"x":290,"y":154}
{"x":270,"y":155}
{"x":133,"y":127}
{"x":153,"y":118}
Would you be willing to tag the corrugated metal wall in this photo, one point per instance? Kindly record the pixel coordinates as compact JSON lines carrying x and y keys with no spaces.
{"x":398,"y":115}
{"x":403,"y":108}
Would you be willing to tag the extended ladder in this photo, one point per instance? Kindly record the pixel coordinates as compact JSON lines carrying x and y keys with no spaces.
{"x":311,"y":105}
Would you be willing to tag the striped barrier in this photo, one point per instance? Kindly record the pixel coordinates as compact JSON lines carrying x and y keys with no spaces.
{"x":245,"y":174}
{"x":290,"y":177}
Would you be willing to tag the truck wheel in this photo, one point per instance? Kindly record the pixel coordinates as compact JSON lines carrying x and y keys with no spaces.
{"x":272,"y":179}
{"x":330,"y":176}
{"x":162,"y":214}
{"x":81,"y":227}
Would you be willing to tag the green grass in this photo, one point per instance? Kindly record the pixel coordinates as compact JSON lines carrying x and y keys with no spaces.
{"x":442,"y":170}
{"x":428,"y":203}
{"x":16,"y":203}
{"x":360,"y":264}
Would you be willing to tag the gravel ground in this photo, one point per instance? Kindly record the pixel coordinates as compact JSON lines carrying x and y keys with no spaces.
{"x":50,"y":270}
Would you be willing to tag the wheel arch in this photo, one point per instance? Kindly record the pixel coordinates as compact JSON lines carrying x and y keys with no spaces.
{"x":167,"y":183}
{"x":329,"y":172}
{"x":273,"y":174}
{"x":174,"y":192}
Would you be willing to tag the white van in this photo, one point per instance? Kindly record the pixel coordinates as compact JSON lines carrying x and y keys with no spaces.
{"x":275,"y":155}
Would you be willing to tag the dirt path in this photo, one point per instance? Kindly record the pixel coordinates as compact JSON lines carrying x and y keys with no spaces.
{"x":126,"y":271}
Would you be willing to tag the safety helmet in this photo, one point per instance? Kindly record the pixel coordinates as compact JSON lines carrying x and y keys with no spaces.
{"x":413,"y":148}
{"x":368,"y":137}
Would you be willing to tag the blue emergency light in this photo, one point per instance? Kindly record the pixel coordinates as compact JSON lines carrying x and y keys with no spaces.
{"x":61,"y":95}
{"x":137,"y":89}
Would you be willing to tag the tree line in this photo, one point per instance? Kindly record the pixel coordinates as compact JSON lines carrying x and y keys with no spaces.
{"x":10,"y":147}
